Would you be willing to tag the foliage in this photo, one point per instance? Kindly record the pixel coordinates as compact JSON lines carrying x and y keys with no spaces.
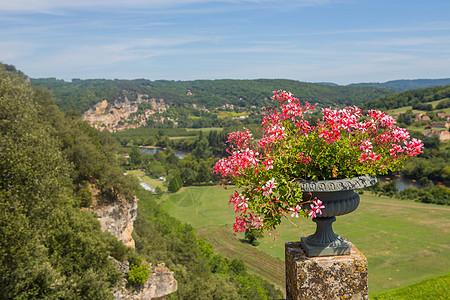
{"x":342,"y":145}
{"x":252,"y":236}
{"x":81,"y":95}
{"x":435,"y":288}
{"x":405,"y":84}
{"x":84,"y":195}
{"x":49,"y":248}
{"x":436,"y":195}
{"x":138,"y":273}
{"x":175,"y":184}
{"x":135,"y":156}
{"x":200,"y":273}
{"x":443,"y":104}
{"x":433,"y":163}
{"x":410,"y":98}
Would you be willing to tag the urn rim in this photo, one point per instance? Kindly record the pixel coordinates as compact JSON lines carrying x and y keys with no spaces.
{"x":335,"y":185}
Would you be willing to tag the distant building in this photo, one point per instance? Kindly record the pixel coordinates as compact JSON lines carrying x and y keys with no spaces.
{"x":443,"y":135}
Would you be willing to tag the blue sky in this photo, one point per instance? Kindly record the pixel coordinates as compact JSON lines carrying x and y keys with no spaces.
{"x":341,"y":41}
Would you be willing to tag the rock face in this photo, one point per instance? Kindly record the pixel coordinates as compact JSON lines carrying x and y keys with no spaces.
{"x":119,"y":116}
{"x":330,"y":277}
{"x":160,"y":283}
{"x":118,"y":218}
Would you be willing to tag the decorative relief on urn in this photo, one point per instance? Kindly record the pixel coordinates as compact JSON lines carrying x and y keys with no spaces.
{"x":338,"y":184}
{"x":339,"y":199}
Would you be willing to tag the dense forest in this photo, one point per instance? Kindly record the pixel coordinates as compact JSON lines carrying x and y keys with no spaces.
{"x":80,"y":95}
{"x":49,"y":247}
{"x":404,"y":85}
{"x":417,"y":98}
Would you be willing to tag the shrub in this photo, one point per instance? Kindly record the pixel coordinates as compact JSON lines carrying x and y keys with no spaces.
{"x":138,"y":273}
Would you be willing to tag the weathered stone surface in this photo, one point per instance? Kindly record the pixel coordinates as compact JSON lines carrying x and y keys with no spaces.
{"x":332,"y":277}
{"x":160,"y":284}
{"x":108,"y":115}
{"x":118,"y":218}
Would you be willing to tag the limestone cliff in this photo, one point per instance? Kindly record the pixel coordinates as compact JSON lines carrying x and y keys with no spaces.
{"x":128,"y":114}
{"x":118,"y":218}
{"x":160,"y":284}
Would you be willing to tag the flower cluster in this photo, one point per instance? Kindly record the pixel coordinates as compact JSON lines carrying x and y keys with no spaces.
{"x":344,"y":143}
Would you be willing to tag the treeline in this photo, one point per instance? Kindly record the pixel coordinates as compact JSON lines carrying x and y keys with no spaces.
{"x":405,"y":84}
{"x":432,"y":164}
{"x":413,"y":98}
{"x":49,"y":247}
{"x":145,"y":136}
{"x":80,"y":95}
{"x":429,"y":194}
{"x":200,"y":273}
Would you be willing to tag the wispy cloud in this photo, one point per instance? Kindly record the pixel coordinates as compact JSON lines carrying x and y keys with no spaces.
{"x":53,"y":6}
{"x":91,"y":56}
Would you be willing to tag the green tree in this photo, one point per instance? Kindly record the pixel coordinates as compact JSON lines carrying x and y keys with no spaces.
{"x":175,"y":184}
{"x":135,"y":156}
{"x":252,"y":236}
{"x":48,"y":247}
{"x":202,"y":151}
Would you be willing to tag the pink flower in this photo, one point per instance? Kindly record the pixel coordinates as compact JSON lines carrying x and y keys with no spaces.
{"x":295,"y":211}
{"x":316,"y":207}
{"x":270,"y":185}
{"x":237,"y":163}
{"x":239,"y":202}
{"x":304,"y":159}
{"x":240,"y":225}
{"x":366,"y":146}
{"x":241,"y":139}
{"x":257,"y":222}
{"x":268,"y":163}
{"x":414,"y":147}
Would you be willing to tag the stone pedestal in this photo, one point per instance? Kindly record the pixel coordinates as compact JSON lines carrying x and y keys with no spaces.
{"x":328,"y":277}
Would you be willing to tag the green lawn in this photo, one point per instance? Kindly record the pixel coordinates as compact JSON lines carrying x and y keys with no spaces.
{"x":397,"y":111}
{"x":435,"y":288}
{"x":405,"y":242}
{"x":154,"y":182}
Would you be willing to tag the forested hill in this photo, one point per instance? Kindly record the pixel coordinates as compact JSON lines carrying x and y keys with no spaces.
{"x":80,"y":95}
{"x":49,"y":247}
{"x":404,"y":84}
{"x":411,"y":98}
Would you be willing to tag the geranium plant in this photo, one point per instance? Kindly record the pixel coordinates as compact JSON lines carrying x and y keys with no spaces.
{"x":343,"y":144}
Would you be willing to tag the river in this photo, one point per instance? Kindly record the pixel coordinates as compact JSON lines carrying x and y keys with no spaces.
{"x":403,"y":183}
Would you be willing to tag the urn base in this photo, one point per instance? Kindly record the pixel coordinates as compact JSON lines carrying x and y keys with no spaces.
{"x":338,"y":247}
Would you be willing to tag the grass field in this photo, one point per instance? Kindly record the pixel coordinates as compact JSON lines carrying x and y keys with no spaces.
{"x":436,"y":289}
{"x":154,"y":182}
{"x":405,"y":242}
{"x":397,"y":111}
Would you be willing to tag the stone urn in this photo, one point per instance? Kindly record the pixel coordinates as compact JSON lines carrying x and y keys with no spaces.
{"x":339,"y":199}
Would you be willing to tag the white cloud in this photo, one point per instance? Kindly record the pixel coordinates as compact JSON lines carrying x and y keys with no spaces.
{"x":53,"y":6}
{"x":91,"y":56}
